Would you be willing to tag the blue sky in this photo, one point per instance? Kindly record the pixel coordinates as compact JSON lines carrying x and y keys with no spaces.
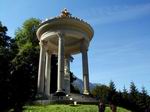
{"x":120,"y":49}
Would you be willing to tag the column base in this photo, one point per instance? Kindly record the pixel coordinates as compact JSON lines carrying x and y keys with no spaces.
{"x":47,"y":96}
{"x":40,"y":96}
{"x":86,"y":92}
{"x":60,"y":93}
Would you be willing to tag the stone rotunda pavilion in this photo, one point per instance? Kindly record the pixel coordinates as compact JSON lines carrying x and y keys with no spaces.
{"x":64,"y":36}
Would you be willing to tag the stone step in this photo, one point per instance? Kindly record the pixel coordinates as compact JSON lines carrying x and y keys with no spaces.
{"x":82,"y":98}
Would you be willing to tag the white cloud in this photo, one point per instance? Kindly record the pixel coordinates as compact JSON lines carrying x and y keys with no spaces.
{"x":104,"y":15}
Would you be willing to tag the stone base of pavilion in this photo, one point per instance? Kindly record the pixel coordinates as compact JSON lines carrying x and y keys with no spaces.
{"x":68,"y":99}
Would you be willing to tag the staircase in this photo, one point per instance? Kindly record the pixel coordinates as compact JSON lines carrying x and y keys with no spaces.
{"x":82,"y":98}
{"x":68,"y":99}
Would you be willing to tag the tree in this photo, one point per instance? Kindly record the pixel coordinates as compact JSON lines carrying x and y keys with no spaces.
{"x":125,"y":92}
{"x":143,"y":101}
{"x":101,"y":92}
{"x":112,"y":96}
{"x":133,"y":96}
{"x":27,"y":33}
{"x":25,"y":64}
{"x":133,"y":90}
{"x":5,"y":63}
{"x":112,"y":86}
{"x":125,"y":98}
{"x":73,"y":89}
{"x":4,"y":39}
{"x":24,"y":76}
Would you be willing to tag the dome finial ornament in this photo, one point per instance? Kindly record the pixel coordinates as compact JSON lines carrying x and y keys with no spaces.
{"x":65,"y":13}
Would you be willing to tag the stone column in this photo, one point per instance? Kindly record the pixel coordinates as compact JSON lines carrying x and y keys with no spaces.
{"x":60,"y":77}
{"x":67,"y":74}
{"x":85,"y":72}
{"x":41,"y":71}
{"x":47,"y":73}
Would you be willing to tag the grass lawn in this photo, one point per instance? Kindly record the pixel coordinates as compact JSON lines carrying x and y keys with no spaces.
{"x":68,"y":108}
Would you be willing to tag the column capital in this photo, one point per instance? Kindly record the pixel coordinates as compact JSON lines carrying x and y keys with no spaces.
{"x":84,"y":45}
{"x":40,"y":43}
{"x":43,"y":42}
{"x":67,"y":55}
{"x":60,"y":34}
{"x":83,"y":48}
{"x":49,"y":52}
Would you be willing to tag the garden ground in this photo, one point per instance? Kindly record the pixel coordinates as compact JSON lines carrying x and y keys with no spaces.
{"x":67,"y":108}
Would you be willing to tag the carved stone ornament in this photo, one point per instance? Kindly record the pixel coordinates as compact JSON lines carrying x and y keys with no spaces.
{"x":65,"y":13}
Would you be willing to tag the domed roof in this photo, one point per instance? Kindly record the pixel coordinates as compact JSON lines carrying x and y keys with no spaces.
{"x":66,"y":18}
{"x":75,"y":31}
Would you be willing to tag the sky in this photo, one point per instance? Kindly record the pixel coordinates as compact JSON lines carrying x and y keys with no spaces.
{"x":120,"y":48}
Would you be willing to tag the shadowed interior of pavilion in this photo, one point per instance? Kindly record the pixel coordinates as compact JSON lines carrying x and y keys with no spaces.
{"x":62,"y":36}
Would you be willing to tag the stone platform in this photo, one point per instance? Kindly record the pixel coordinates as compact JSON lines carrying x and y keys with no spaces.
{"x":68,"y":99}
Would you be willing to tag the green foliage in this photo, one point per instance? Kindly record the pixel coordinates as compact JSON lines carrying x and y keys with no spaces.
{"x":5,"y":64}
{"x":25,"y":64}
{"x":133,"y":96}
{"x":3,"y":29}
{"x":144,"y":100}
{"x":19,"y":64}
{"x":68,"y":108}
{"x":101,"y":92}
{"x":27,"y":33}
{"x":4,"y":77}
{"x":112,"y":95}
{"x":4,"y":39}
{"x":133,"y":90}
{"x":112,"y":86}
{"x":133,"y":100}
{"x":73,"y":88}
